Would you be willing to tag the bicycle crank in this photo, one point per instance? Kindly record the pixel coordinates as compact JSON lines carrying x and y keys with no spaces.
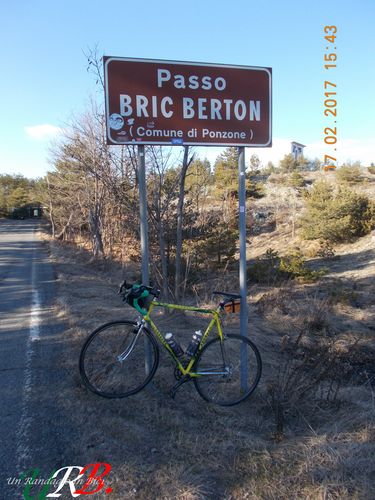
{"x":175,"y":388}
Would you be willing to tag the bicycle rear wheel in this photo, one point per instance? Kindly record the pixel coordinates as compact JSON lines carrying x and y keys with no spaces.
{"x":218,"y":367}
{"x":106,"y":371}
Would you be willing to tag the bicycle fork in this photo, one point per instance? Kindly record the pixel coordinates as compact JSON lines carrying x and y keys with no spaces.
{"x":122,"y":357}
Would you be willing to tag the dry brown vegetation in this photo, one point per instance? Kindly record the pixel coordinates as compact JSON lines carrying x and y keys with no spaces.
{"x":307,"y":432}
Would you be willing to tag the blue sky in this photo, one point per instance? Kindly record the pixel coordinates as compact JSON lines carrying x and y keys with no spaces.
{"x":44,"y":79}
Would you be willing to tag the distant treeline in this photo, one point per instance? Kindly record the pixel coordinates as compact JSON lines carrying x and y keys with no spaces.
{"x":91,"y":199}
{"x":19,"y":196}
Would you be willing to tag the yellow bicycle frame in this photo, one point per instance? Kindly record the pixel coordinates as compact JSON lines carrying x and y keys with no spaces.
{"x":214,"y":321}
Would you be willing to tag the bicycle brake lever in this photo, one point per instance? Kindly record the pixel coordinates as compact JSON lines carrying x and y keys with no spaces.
{"x":122,"y":286}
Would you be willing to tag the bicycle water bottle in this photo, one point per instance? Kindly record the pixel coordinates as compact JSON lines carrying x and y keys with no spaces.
{"x":176,"y":348}
{"x":194,"y":344}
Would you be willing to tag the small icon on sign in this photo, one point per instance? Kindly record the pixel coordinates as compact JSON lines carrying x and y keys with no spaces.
{"x":116,"y":121}
{"x":150,"y":124}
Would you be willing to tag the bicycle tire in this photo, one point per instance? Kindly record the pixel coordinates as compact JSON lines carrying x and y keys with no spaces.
{"x":225,"y":389}
{"x":101,"y":371}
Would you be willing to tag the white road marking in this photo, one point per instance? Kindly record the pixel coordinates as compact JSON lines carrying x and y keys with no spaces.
{"x":35,"y":306}
{"x":23,"y":429}
{"x":22,"y":450}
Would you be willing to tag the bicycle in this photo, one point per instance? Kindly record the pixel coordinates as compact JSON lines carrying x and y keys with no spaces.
{"x":112,"y":359}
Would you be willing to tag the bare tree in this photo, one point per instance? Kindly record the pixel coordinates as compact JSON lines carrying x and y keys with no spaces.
{"x":180,"y":212}
{"x":163,"y":184}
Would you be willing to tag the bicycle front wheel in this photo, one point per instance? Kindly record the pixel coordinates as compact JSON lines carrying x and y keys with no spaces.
{"x":112,"y":365}
{"x":228,"y":370}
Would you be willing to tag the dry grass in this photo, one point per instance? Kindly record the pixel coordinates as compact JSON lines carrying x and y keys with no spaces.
{"x":161,"y":448}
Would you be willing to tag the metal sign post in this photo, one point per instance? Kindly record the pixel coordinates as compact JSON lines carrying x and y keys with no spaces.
{"x":242,"y":272}
{"x":144,"y":237}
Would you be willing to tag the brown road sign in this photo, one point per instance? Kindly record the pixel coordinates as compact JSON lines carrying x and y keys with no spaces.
{"x":169,"y":102}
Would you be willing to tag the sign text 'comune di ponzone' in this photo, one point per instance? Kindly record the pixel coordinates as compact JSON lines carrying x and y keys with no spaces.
{"x":168,"y":102}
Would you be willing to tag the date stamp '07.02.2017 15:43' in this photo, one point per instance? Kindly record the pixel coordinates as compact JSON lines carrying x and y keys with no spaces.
{"x":330,"y":96}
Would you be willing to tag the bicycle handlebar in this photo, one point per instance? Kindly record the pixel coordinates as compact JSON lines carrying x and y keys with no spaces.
{"x":138,"y":295}
{"x":151,"y":289}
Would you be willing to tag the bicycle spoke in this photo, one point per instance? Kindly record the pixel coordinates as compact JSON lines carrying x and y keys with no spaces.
{"x":112,"y":360}
{"x":220,"y":383}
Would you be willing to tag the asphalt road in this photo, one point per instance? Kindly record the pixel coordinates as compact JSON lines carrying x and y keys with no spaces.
{"x":31,"y":431}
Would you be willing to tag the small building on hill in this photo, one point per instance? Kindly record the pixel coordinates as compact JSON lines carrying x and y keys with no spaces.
{"x":297,"y":149}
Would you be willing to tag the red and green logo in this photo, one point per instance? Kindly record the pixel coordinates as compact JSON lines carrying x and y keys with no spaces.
{"x":69,"y":478}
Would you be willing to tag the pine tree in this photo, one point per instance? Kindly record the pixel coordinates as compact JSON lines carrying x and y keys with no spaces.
{"x":349,"y":173}
{"x":288,"y":164}
{"x":198,"y":181}
{"x":269,"y":169}
{"x":226,"y":174}
{"x":16,"y":191}
{"x":336,"y":217}
{"x":296,"y":180}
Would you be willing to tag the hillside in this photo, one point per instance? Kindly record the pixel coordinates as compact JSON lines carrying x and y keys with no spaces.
{"x":307,"y":432}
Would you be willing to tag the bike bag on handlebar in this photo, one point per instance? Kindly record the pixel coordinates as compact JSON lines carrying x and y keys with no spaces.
{"x":139,"y":297}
